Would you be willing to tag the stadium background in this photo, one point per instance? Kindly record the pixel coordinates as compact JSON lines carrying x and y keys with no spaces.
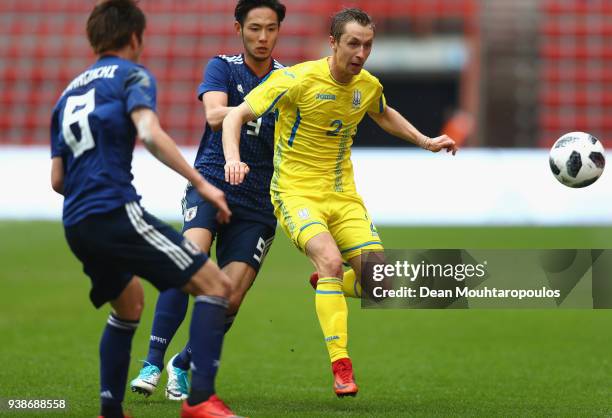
{"x":504,"y":78}
{"x":524,"y":71}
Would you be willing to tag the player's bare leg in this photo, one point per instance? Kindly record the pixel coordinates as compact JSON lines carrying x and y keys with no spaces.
{"x":241,"y":274}
{"x":332,"y":310}
{"x":201,"y":237}
{"x":242,"y":277}
{"x":130,"y":303}
{"x":209,"y":280}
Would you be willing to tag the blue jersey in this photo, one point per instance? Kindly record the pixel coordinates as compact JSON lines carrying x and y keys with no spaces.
{"x":91,"y":130}
{"x":229,"y":74}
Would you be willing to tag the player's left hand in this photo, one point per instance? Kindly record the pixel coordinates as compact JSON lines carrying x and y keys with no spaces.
{"x":442,"y":142}
{"x":217,"y":198}
{"x":235,"y":172}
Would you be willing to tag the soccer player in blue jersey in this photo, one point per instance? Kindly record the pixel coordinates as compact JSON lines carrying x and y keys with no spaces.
{"x":93,"y":130}
{"x":243,"y":243}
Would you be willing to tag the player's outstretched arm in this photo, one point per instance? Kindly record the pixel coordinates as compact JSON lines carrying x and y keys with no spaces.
{"x":393,"y":122}
{"x":57,"y":175}
{"x":165,"y":150}
{"x":215,"y":108}
{"x":235,"y":170}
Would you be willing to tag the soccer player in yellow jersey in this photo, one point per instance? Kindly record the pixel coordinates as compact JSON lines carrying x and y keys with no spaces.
{"x":318,"y":105}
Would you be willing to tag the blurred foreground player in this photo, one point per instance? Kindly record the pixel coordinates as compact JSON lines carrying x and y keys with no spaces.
{"x":93,"y":131}
{"x":318,"y":105}
{"x":243,"y":243}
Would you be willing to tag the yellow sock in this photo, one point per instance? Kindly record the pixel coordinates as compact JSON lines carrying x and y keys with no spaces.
{"x":333,"y":316}
{"x":350,"y":285}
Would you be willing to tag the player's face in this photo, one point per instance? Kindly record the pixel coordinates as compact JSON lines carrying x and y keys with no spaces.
{"x":259,"y":33}
{"x":354,"y":47}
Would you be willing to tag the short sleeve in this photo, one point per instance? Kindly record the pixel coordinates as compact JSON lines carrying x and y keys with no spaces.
{"x":140,"y":90}
{"x":379,"y":103}
{"x":264,"y":98}
{"x":216,"y":77}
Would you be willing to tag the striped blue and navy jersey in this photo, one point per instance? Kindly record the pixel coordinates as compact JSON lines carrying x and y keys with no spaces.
{"x":91,"y":130}
{"x":230,"y":74}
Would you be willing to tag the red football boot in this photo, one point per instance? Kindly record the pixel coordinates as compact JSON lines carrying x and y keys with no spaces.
{"x":214,"y":407}
{"x":344,"y":381}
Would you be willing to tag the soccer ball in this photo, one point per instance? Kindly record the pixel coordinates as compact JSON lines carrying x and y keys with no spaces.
{"x":577,"y":159}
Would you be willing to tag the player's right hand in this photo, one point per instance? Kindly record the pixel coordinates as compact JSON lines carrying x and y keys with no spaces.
{"x":217,"y":198}
{"x":235,"y":172}
{"x":442,"y":142}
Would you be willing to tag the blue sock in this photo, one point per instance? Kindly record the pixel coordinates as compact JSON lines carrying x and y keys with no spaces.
{"x":115,"y":347}
{"x":206,"y":338}
{"x":170,"y":311}
{"x":183,"y":358}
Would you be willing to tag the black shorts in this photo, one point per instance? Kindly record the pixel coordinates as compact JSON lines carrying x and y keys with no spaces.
{"x":243,"y":239}
{"x":127,"y":242}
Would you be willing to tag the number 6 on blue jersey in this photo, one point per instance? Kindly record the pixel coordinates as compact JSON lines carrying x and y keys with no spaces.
{"x":77,"y":111}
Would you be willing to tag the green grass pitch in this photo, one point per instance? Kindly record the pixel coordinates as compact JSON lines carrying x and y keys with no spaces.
{"x":422,"y":363}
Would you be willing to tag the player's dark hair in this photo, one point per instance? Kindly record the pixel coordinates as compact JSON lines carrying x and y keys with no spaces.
{"x":111,"y":24}
{"x":344,"y":16}
{"x":245,"y":6}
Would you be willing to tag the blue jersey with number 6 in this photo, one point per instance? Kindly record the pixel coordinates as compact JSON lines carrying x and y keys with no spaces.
{"x":231,"y":75}
{"x":91,"y":130}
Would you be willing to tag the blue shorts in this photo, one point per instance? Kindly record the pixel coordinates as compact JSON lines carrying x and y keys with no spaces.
{"x":126,"y":242}
{"x":246,"y":238}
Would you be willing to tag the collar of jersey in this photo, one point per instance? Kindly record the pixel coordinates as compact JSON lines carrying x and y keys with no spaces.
{"x":253,"y":72}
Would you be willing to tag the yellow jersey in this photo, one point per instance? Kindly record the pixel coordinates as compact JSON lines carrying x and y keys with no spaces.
{"x":316,"y":121}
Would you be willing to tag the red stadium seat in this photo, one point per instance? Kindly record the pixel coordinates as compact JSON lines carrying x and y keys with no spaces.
{"x":554,"y":74}
{"x":578,"y":29}
{"x":576,"y":68}
{"x":581,"y":98}
{"x":48,"y":44}
{"x":577,"y":7}
{"x":583,"y":121}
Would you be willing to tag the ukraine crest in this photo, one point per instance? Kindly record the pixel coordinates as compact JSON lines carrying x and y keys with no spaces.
{"x":356,"y":99}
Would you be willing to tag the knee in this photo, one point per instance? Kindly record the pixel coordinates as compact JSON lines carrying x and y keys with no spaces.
{"x":217,"y":284}
{"x":137,"y":303}
{"x":235,"y":301}
{"x":130,"y":303}
{"x":330,"y":266}
{"x":226,"y":286}
{"x":139,"y":306}
{"x":136,"y":310}
{"x":130,"y":311}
